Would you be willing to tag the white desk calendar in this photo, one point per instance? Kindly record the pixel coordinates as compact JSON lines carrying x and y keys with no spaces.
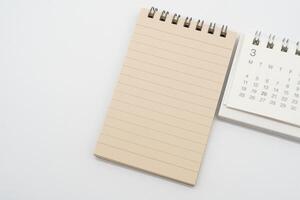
{"x":263,"y":88}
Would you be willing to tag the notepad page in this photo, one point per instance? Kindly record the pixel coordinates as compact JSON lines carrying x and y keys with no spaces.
{"x":165,"y":99}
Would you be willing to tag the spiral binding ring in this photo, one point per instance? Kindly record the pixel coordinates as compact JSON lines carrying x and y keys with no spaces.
{"x":270,"y":43}
{"x":223,"y":31}
{"x":163,"y":15}
{"x":187,"y":22}
{"x":256,"y":39}
{"x":211,"y":28}
{"x":285,"y":43}
{"x":152,"y":12}
{"x":199,"y":25}
{"x":298,"y":49}
{"x":175,"y":18}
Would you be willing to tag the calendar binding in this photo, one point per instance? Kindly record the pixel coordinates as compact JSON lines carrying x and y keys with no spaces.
{"x":187,"y":22}
{"x":270,"y":44}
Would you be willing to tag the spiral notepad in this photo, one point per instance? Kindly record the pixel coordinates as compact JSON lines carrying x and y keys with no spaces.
{"x":165,"y":99}
{"x":263,"y":89}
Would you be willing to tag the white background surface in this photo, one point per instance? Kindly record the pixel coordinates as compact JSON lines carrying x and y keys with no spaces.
{"x":59,"y":61}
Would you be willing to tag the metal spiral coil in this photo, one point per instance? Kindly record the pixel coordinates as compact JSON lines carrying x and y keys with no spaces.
{"x":152,"y":12}
{"x":175,"y":18}
{"x":163,"y":15}
{"x":284,"y":46}
{"x":199,"y":25}
{"x":298,"y":49}
{"x":223,"y":31}
{"x":270,"y":43}
{"x":256,"y":38}
{"x":187,"y":22}
{"x":211,"y":28}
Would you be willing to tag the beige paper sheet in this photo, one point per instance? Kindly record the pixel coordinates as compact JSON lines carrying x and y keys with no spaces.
{"x":165,"y":100}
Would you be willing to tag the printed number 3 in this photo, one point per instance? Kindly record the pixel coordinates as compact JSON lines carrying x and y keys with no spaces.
{"x":253,"y":52}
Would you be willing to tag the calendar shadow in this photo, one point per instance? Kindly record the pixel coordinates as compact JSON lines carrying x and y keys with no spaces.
{"x":265,"y":131}
{"x":227,"y":76}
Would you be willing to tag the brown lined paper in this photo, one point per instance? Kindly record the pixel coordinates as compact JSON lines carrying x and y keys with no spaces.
{"x":163,"y":105}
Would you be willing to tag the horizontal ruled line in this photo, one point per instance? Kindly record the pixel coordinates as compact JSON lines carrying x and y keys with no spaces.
{"x":122,"y":149}
{"x":145,"y":108}
{"x":150,"y":138}
{"x":130,"y":122}
{"x":182,"y":72}
{"x":165,"y":104}
{"x":181,"y":45}
{"x":148,"y":147}
{"x":188,"y":38}
{"x":138,"y":69}
{"x":160,"y":122}
{"x":184,"y":91}
{"x":146,"y":53}
{"x":155,"y":92}
{"x":179,"y":54}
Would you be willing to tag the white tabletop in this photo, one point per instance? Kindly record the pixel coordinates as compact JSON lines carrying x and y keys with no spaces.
{"x":59,"y":61}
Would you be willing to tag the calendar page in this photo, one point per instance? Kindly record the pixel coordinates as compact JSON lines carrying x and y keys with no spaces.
{"x":267,"y":79}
